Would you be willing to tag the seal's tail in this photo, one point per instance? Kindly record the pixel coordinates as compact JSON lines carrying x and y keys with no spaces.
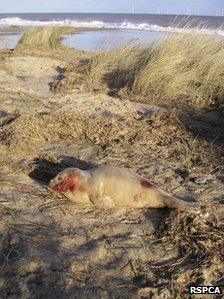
{"x":176,"y":203}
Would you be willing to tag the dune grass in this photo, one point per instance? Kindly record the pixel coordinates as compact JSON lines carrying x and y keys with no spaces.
{"x":180,"y":67}
{"x":188,"y":66}
{"x":46,"y":38}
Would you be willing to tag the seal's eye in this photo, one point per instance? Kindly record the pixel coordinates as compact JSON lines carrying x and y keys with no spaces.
{"x":65,"y":174}
{"x":59,"y":177}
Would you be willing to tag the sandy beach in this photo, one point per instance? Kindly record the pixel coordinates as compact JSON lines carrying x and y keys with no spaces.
{"x":66,"y":108}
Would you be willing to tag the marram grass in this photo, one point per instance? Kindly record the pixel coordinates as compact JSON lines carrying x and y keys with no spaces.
{"x":46,"y":38}
{"x":181,"y":67}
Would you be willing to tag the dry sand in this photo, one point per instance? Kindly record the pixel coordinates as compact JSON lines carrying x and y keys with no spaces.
{"x":53,"y":248}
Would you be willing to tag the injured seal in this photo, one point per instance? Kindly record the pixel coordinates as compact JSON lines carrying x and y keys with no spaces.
{"x":107,"y":186}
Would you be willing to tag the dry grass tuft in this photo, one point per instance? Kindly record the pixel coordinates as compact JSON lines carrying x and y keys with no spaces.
{"x":34,"y":129}
{"x":183,"y":67}
{"x":46,"y":38}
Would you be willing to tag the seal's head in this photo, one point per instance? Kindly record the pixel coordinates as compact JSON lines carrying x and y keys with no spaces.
{"x":70,"y":179}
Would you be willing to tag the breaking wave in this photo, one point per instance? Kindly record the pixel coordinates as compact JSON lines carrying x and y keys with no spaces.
{"x":99,"y":24}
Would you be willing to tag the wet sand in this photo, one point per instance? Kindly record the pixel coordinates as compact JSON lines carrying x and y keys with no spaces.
{"x":14,"y":30}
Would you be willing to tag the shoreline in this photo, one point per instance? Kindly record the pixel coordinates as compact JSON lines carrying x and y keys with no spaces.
{"x":15,"y":30}
{"x":84,"y":38}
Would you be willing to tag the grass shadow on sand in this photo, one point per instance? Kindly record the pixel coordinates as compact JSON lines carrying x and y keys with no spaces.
{"x":207,"y":124}
{"x":62,"y":264}
{"x":46,"y":170}
{"x":118,"y":79}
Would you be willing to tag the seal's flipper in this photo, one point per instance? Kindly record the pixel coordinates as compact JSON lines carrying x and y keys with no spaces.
{"x":105,"y":201}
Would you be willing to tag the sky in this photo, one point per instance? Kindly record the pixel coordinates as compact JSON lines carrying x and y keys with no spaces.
{"x":202,"y":7}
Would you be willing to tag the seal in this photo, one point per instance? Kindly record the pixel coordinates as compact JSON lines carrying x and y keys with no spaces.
{"x":109,"y":186}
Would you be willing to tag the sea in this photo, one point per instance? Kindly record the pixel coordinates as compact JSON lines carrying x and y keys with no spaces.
{"x":101,"y":31}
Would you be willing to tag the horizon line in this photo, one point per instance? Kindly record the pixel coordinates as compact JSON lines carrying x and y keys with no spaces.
{"x":126,"y":13}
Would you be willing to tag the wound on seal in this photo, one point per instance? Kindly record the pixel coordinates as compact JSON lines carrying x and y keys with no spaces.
{"x":65,"y":185}
{"x":146,"y":184}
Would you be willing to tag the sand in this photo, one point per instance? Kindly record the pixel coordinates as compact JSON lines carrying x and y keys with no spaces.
{"x":53,"y":248}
